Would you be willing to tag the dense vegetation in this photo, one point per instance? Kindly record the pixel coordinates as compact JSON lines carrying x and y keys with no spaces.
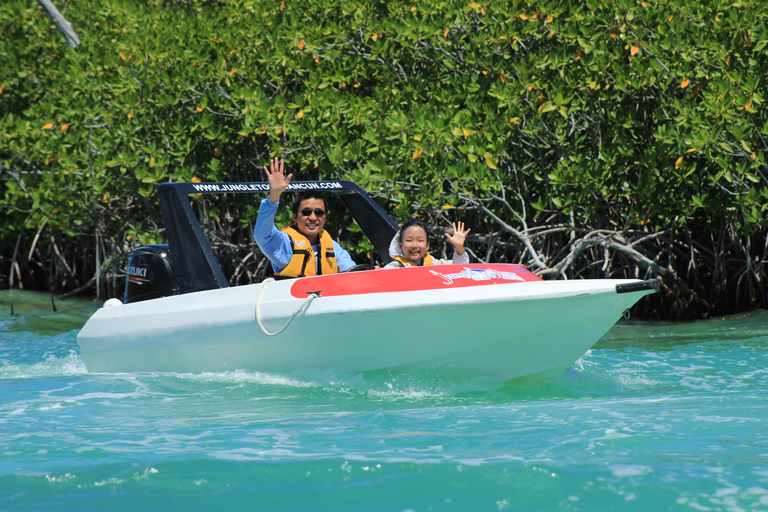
{"x":591,"y":139}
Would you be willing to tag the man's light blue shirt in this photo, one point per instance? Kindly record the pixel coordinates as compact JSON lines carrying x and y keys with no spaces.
{"x":276,"y":245}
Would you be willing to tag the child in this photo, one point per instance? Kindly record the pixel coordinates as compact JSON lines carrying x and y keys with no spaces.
{"x":410,"y":245}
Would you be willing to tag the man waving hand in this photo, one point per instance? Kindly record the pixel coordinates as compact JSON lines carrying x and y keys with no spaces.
{"x":304,"y":248}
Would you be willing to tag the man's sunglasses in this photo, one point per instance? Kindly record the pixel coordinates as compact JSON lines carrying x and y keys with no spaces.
{"x":317,"y":211}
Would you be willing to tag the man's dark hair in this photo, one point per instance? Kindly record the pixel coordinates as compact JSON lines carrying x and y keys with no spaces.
{"x":307,"y":194}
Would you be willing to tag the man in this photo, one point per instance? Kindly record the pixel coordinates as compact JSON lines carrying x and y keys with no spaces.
{"x":306,"y":249}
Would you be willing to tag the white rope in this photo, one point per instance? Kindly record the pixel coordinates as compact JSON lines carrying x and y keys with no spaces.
{"x":296,"y":312}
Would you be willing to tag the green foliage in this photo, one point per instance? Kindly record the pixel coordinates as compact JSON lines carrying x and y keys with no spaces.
{"x":624,"y":112}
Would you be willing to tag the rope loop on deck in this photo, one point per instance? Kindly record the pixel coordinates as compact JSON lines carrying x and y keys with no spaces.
{"x":296,"y":312}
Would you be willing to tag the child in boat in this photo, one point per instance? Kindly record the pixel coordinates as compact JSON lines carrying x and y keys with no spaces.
{"x":410,"y":246}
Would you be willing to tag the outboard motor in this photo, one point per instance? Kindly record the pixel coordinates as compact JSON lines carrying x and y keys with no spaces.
{"x":149,"y":274}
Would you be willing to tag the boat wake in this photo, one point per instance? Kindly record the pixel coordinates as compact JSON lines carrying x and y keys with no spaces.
{"x":601,"y":372}
{"x":52,"y":366}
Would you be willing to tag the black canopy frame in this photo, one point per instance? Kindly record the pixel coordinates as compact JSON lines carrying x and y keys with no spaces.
{"x":194,"y":262}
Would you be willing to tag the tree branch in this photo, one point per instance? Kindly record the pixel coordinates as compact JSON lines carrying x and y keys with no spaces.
{"x":61,"y":23}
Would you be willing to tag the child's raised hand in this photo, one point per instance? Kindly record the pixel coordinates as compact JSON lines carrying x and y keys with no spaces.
{"x":459,"y":237}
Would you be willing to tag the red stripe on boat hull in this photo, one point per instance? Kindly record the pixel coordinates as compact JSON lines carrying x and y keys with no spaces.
{"x":438,"y":277}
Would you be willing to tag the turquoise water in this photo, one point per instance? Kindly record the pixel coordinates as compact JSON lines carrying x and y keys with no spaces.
{"x":656,"y":417}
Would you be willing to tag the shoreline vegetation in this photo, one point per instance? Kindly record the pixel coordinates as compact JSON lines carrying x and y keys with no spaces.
{"x":582,"y":141}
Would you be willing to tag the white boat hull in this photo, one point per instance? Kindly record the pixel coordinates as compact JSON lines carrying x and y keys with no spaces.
{"x":526,"y":331}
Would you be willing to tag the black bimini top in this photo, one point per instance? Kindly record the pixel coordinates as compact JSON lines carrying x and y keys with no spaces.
{"x":195,"y":264}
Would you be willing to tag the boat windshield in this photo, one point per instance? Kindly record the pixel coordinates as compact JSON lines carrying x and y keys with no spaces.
{"x":209,"y":227}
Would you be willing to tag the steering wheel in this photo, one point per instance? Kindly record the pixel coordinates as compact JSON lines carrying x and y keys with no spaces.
{"x":360,"y":267}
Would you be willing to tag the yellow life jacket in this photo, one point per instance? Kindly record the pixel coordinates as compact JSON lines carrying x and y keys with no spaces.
{"x":303,"y":261}
{"x":427,"y":260}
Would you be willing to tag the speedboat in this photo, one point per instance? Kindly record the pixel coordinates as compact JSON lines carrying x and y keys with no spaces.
{"x":179,"y":314}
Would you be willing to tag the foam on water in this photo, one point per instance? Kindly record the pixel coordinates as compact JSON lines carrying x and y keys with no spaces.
{"x":71,"y":364}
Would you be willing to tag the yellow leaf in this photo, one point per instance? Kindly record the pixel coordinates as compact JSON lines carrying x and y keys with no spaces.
{"x":523,"y":17}
{"x":215,"y":40}
{"x":530,"y":88}
{"x":671,"y":17}
{"x":152,"y":162}
{"x":592,"y":85}
{"x":684,"y":83}
{"x":634,"y":50}
{"x":717,"y":18}
{"x":413,"y":8}
{"x":1,"y":89}
{"x":199,"y":109}
{"x":474,"y":5}
{"x":301,"y":113}
{"x":503,"y":78}
{"x":48,"y":126}
{"x":550,"y":18}
{"x":130,"y":116}
{"x":106,"y":197}
{"x":417,"y":138}
{"x":691,"y":150}
{"x":282,"y":5}
{"x":678,"y":162}
{"x":644,"y":4}
{"x":375,"y":37}
{"x":64,"y":128}
{"x":466,"y":132}
{"x":301,"y":45}
{"x":216,"y":152}
{"x":448,"y":207}
{"x":542,"y":105}
{"x":417,"y":154}
{"x":445,"y":34}
{"x":746,"y":107}
{"x":535,"y":16}
{"x":234,"y":70}
{"x":614,"y":36}
{"x":122,"y":56}
{"x":196,"y":180}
